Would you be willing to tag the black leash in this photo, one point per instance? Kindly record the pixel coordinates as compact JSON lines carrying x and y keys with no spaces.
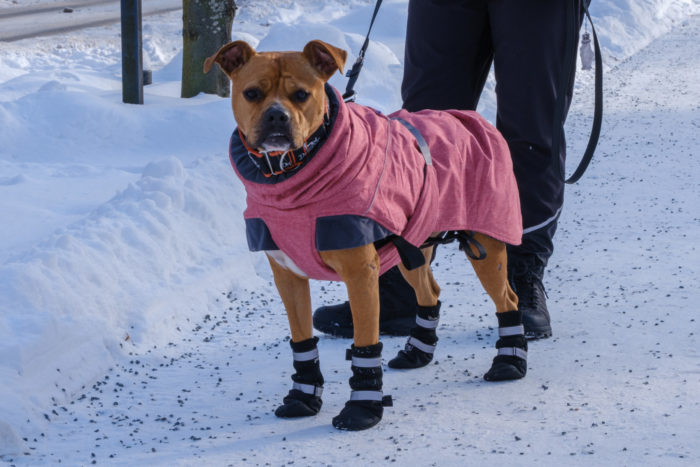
{"x":354,"y":72}
{"x":562,"y":90}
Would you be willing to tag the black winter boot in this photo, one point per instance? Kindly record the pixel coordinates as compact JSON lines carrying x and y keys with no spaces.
{"x":525,"y":276}
{"x":421,"y":345}
{"x":304,"y":399}
{"x":511,"y":361}
{"x":397,"y":309}
{"x":367,"y":401}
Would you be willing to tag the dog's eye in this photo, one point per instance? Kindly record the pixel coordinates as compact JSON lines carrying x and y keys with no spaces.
{"x":252,"y":94}
{"x":300,"y":95}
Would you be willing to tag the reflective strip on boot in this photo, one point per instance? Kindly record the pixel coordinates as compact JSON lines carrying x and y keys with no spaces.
{"x":511,"y":331}
{"x":513,"y":352}
{"x":366,"y":396}
{"x":361,"y":362}
{"x":427,"y":323}
{"x":305,"y":356}
{"x":308,"y":389}
{"x":420,"y":345}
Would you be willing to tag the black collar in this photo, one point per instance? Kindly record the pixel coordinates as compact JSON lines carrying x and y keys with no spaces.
{"x":279,"y":162}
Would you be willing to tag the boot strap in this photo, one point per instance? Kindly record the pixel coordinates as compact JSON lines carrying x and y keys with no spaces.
{"x":513,"y":352}
{"x":361,"y":362}
{"x":427,"y":323}
{"x":305,"y":356}
{"x":377,"y":396}
{"x":310,"y":389}
{"x":511,"y":331}
{"x":420,"y":345}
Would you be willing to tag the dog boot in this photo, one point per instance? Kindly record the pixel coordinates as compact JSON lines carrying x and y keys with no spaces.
{"x":304,"y":399}
{"x":366,"y":405}
{"x":511,"y":361}
{"x":421,"y":345}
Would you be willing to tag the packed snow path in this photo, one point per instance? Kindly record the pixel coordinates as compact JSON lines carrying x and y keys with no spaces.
{"x":618,"y":384}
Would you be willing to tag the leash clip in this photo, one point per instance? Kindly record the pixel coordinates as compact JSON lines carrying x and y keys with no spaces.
{"x":269,"y":163}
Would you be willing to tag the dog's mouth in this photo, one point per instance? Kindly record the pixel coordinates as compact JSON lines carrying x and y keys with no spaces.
{"x":276,"y":142}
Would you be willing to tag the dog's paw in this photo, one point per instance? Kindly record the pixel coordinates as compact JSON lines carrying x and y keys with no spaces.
{"x":294,"y":407}
{"x":414,"y":358}
{"x":359,"y":415}
{"x":506,"y":369}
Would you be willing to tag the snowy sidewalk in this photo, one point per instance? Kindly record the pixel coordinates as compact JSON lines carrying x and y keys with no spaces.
{"x":47,"y":19}
{"x":618,"y":384}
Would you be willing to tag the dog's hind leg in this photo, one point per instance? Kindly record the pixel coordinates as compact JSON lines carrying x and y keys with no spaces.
{"x":359,"y":269}
{"x":420,"y":346}
{"x":304,"y":399}
{"x":511,"y":360}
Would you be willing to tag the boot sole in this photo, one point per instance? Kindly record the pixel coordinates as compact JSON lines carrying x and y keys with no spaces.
{"x":539,"y":334}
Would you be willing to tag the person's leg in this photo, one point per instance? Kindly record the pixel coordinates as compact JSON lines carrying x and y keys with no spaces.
{"x":447,"y":58}
{"x":529,"y":44}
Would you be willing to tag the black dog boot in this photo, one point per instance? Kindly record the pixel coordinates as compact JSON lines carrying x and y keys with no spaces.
{"x":304,"y":399}
{"x":366,"y":405}
{"x":421,"y":345}
{"x":397,"y":309}
{"x":511,"y":361}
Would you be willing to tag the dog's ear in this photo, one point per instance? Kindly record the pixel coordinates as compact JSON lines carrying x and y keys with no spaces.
{"x":230,"y":57}
{"x":325,"y":58}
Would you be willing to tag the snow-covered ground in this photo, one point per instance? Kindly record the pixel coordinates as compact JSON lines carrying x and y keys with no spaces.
{"x":136,"y":328}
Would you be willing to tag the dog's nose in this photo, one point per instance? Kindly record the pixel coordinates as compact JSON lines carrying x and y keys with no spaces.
{"x":276,"y":117}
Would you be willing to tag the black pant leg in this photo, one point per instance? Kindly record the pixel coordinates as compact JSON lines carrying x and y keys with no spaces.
{"x":529,"y":38}
{"x":448,"y":54}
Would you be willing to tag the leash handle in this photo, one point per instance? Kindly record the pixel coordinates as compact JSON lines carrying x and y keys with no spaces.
{"x":354,"y":72}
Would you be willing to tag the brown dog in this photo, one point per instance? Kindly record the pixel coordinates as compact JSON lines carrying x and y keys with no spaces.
{"x":286,"y":114}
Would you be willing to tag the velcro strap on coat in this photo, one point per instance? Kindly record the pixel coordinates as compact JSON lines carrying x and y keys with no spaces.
{"x":366,"y":396}
{"x":427,"y":323}
{"x":513,"y":352}
{"x":311,"y":389}
{"x":373,"y":362}
{"x":420,"y":345}
{"x":306,"y":356}
{"x":511,"y":331}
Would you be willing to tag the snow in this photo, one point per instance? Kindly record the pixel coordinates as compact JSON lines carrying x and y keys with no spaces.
{"x":135,"y":324}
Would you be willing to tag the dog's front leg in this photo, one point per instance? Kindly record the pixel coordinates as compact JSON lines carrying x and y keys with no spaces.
{"x":359,"y":269}
{"x":304,"y":399}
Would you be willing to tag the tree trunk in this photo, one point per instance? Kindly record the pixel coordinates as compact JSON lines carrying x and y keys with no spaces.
{"x":206,"y":26}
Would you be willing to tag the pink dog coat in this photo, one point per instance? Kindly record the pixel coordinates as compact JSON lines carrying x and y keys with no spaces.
{"x":368,"y":180}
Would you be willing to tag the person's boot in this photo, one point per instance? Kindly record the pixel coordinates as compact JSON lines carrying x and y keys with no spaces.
{"x":511,"y":361}
{"x":304,"y":399}
{"x":421,"y":345}
{"x":367,"y":401}
{"x":397,"y":309}
{"x":525,"y":276}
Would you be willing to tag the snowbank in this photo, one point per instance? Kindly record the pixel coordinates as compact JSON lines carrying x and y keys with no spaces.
{"x":88,"y":275}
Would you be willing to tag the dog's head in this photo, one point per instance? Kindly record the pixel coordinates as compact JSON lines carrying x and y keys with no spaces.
{"x":278,"y":98}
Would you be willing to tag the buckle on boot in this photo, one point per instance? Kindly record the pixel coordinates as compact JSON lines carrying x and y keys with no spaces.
{"x":387,"y":401}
